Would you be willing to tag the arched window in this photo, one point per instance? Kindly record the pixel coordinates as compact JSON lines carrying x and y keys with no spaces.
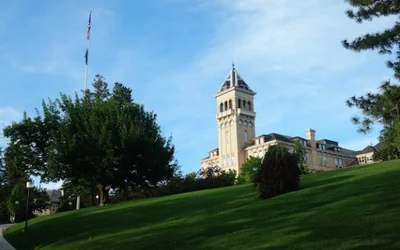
{"x":230,"y":104}
{"x":244,"y":104}
{"x":245,"y":136}
{"x":239,"y":104}
{"x":221,"y":107}
{"x":249,"y":104}
{"x":250,"y":124}
{"x":226,"y":105}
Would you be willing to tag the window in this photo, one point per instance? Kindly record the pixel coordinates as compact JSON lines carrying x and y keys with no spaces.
{"x":221,"y":107}
{"x":250,"y":124}
{"x":245,"y":123}
{"x":340,"y":162}
{"x":337,"y":162}
{"x":245,"y":136}
{"x":244,"y":104}
{"x":239,"y":104}
{"x":305,"y":157}
{"x":230,"y":104}
{"x":323,"y":160}
{"x":249,"y":105}
{"x":240,"y":121}
{"x":226,"y":105}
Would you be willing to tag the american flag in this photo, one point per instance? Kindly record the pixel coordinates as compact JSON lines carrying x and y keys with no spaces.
{"x":89,"y":26}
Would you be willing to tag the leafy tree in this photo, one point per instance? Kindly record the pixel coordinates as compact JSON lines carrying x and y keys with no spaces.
{"x":14,"y":176}
{"x":102,"y":139}
{"x":3,"y":190}
{"x":247,"y":172}
{"x":300,"y":153}
{"x":382,"y":107}
{"x":279,"y":172}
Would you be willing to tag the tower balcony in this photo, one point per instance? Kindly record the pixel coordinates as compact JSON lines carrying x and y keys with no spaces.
{"x":225,"y":113}
{"x":246,"y":112}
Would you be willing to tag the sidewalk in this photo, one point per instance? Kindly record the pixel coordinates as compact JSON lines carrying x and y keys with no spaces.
{"x":4,"y":245}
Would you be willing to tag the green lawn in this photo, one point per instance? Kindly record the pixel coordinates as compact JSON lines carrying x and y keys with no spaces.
{"x":355,"y":208}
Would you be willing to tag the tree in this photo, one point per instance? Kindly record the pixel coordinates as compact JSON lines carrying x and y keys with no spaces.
{"x":300,"y":153}
{"x":13,"y":178}
{"x":3,"y":191}
{"x":248,"y":170}
{"x":279,"y":172}
{"x":387,"y":41}
{"x":382,"y":107}
{"x":102,"y":139}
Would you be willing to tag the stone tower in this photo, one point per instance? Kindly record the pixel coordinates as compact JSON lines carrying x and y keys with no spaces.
{"x":235,"y":119}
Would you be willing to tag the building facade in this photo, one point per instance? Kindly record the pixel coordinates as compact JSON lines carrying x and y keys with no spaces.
{"x":366,"y":156}
{"x":237,"y":141}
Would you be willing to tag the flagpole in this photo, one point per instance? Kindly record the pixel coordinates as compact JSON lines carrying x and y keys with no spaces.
{"x":89,"y":26}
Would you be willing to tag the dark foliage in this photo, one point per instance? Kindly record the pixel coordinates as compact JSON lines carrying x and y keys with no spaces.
{"x":210,"y":178}
{"x":279,"y":172}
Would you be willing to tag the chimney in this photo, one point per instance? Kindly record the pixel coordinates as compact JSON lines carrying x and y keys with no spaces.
{"x":310,"y":135}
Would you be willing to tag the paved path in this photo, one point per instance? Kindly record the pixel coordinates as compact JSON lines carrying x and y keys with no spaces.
{"x":4,"y":245}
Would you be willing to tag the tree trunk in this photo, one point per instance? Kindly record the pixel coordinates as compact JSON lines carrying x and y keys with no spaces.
{"x":101,"y":191}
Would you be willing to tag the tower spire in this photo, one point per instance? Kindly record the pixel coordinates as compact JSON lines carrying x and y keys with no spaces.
{"x":233,"y":64}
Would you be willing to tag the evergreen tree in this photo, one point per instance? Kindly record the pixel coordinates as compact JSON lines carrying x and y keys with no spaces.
{"x":382,"y":107}
{"x":279,"y":172}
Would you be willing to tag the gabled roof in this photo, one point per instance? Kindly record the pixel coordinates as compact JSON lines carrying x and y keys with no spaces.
{"x":368,"y":149}
{"x":234,"y":80}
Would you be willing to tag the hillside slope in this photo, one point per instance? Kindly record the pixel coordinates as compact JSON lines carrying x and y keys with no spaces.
{"x":355,"y":208}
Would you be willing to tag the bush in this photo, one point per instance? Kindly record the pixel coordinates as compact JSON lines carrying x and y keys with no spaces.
{"x":212,"y":177}
{"x":247,"y":173}
{"x":279,"y":172}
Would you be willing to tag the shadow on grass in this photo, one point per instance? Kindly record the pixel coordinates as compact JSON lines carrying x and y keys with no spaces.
{"x":328,"y":212}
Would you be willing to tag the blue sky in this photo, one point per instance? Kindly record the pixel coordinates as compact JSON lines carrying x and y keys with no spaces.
{"x":175,"y":54}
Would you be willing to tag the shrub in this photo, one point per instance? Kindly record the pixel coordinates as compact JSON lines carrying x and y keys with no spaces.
{"x":279,"y":172}
{"x":247,"y":172}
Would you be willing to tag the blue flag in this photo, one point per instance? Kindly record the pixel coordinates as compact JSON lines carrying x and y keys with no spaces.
{"x":86,"y":56}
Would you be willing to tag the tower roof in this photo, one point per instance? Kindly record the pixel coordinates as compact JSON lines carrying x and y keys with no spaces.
{"x":234,"y":80}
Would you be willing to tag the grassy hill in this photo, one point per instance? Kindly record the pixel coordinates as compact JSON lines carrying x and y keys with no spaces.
{"x":355,"y":208}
